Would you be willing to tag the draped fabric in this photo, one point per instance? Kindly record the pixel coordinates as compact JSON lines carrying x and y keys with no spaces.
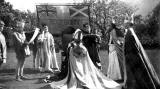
{"x":114,"y":71}
{"x":82,"y":73}
{"x":140,"y":72}
{"x":3,"y":48}
{"x":116,"y":57}
{"x":46,"y":55}
{"x":91,"y":42}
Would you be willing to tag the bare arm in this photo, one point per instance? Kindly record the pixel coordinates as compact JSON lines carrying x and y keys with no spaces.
{"x":34,"y":35}
{"x":17,"y":38}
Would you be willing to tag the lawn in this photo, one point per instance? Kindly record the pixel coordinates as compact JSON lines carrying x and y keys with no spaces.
{"x":154,"y":56}
{"x":7,"y":75}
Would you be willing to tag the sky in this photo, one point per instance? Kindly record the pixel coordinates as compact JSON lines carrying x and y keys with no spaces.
{"x":30,"y":4}
{"x":145,"y":6}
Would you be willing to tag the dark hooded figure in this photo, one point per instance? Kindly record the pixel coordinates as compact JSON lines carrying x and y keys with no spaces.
{"x":91,"y":42}
{"x":139,"y":70}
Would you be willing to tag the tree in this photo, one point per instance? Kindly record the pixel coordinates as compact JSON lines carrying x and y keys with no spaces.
{"x":32,"y":18}
{"x":6,"y":12}
{"x":153,"y":20}
{"x":10,"y":15}
{"x":102,"y":11}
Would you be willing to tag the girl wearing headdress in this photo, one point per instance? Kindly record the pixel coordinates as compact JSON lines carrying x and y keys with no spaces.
{"x":140,"y":73}
{"x":20,"y":43}
{"x":82,"y":72}
{"x":46,"y":56}
{"x":116,"y":54}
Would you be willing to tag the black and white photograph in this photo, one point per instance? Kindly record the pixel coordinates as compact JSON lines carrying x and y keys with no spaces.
{"x":79,"y":44}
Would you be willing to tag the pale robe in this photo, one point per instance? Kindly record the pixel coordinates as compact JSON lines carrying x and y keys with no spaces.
{"x":116,"y":57}
{"x":3,"y":48}
{"x":46,"y":55}
{"x":83,"y":73}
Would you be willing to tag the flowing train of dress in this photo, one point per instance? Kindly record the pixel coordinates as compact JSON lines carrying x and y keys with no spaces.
{"x":83,"y":73}
{"x":140,"y":72}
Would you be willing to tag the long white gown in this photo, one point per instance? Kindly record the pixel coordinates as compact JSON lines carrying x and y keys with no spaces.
{"x":82,"y":73}
{"x":113,"y":67}
{"x":46,"y":55}
{"x":116,"y":57}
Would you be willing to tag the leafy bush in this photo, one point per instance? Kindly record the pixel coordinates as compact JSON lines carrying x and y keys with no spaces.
{"x":149,"y":43}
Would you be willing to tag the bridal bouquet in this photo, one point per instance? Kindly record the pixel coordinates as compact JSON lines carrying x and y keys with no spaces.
{"x":79,"y":52}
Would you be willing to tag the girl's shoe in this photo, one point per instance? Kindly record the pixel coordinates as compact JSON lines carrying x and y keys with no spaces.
{"x":18,"y":78}
{"x":24,"y":77}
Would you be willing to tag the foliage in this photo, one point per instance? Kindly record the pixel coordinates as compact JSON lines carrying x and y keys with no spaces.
{"x":31,"y":20}
{"x":6,"y":12}
{"x":150,"y":22}
{"x":152,"y":25}
{"x":101,"y":13}
{"x":149,"y":43}
{"x":146,"y":31}
{"x":10,"y":15}
{"x":147,"y":28}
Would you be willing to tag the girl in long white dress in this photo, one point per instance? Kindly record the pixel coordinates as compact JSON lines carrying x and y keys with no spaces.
{"x":82,"y":73}
{"x":46,"y":55}
{"x":116,"y":56}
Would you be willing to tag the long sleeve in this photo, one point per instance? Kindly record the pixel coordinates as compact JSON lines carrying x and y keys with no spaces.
{"x":4,"y":55}
{"x":3,"y":47}
{"x":52,"y":41}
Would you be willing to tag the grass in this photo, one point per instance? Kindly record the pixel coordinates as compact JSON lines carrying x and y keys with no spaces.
{"x":7,"y":75}
{"x":12,"y":62}
{"x":154,"y":56}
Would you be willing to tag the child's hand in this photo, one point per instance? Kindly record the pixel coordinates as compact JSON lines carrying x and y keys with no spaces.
{"x":26,"y":43}
{"x":4,"y":60}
